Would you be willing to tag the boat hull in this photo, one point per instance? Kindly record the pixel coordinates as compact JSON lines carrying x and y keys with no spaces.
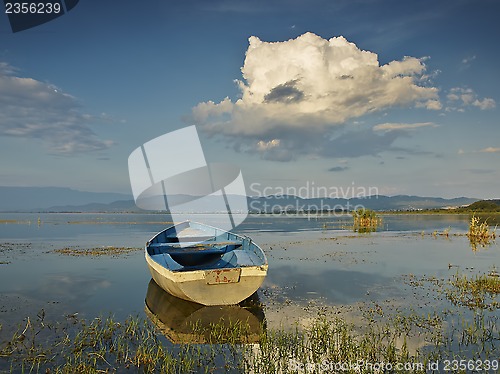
{"x":194,"y":285}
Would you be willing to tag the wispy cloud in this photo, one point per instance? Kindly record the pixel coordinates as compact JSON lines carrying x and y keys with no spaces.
{"x":484,"y":150}
{"x":468,"y":60}
{"x":490,"y":150}
{"x":460,"y":98}
{"x":338,"y":168}
{"x":401,"y":126}
{"x":480,"y":171}
{"x":6,"y":68}
{"x":295,"y":92}
{"x":38,"y":110}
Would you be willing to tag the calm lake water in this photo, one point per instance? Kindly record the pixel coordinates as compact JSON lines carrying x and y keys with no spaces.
{"x":311,"y":260}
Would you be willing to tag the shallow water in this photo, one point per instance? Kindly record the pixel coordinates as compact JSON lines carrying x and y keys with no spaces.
{"x":311,"y":260}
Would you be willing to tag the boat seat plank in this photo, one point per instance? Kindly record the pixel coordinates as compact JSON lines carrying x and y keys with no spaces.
{"x":176,"y":239}
{"x":195,"y":238}
{"x":189,"y":251}
{"x":192,"y":244}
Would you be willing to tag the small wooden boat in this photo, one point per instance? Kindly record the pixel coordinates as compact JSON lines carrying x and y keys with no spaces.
{"x":204,"y":264}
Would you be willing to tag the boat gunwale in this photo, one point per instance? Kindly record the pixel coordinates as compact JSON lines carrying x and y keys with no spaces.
{"x":199,"y":274}
{"x":241,"y":237}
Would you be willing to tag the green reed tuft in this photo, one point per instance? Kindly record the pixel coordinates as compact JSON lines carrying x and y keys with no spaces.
{"x":365,"y":220}
{"x":480,"y":233}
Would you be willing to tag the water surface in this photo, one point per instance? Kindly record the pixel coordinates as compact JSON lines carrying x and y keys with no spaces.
{"x":311,"y":259}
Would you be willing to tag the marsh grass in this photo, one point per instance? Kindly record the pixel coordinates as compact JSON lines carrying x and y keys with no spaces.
{"x":445,"y":233}
{"x":469,"y":327}
{"x":475,"y":292}
{"x":365,"y":220}
{"x":105,"y":345}
{"x":98,"y":346}
{"x":480,"y":233}
{"x":15,"y":221}
{"x":100,"y":222}
{"x":97,"y":251}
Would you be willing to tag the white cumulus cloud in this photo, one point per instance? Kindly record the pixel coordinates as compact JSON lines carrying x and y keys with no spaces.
{"x":33,"y":109}
{"x":297,"y":90}
{"x":486,"y":103}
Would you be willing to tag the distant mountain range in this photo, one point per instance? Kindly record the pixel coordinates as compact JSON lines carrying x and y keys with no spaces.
{"x":42,"y":198}
{"x":55,"y":199}
{"x":379,"y":202}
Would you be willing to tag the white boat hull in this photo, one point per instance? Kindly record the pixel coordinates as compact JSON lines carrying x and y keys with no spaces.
{"x":194,"y":286}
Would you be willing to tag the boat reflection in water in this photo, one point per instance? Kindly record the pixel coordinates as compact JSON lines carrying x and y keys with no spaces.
{"x":183,"y":321}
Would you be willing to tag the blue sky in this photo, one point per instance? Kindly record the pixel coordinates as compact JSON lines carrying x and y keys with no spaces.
{"x":402,"y":96}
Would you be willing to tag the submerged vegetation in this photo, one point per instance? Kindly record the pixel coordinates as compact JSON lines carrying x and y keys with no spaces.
{"x":480,"y":233}
{"x":366,"y":220}
{"x":403,"y":342}
{"x":97,"y":251}
{"x":101,"y":345}
{"x":8,"y":221}
{"x":479,"y":291}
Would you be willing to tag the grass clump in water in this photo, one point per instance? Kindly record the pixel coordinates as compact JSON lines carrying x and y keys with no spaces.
{"x":480,"y":233}
{"x":365,"y":220}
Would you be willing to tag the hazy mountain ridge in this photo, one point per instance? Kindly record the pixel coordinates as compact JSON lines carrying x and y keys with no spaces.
{"x":380,"y":202}
{"x":42,"y":198}
{"x":55,"y":199}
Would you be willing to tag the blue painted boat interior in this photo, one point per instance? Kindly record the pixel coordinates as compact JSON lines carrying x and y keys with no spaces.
{"x":214,"y":249}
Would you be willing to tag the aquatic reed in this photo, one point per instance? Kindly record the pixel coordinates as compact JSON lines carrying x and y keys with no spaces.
{"x":480,"y":233}
{"x":365,"y":220}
